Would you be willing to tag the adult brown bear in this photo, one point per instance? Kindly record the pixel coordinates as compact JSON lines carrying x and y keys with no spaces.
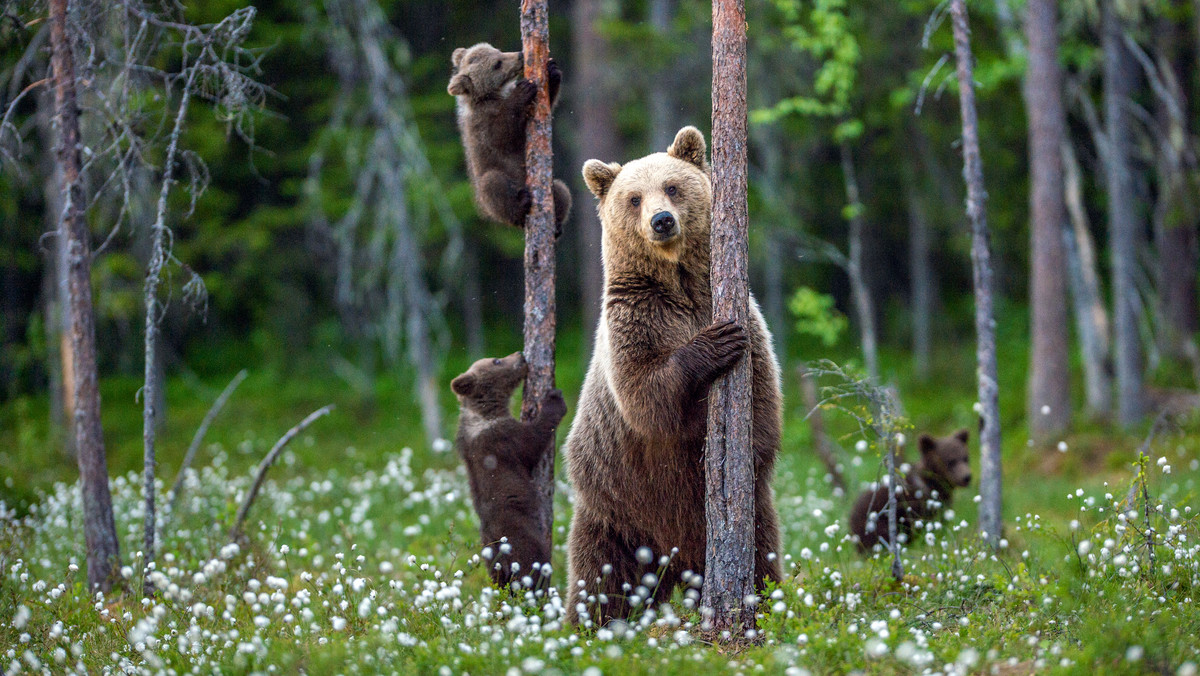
{"x":635,"y":450}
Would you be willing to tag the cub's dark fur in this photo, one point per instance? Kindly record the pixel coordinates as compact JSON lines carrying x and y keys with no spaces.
{"x":500,"y":454}
{"x":494,"y":105}
{"x":927,"y":490}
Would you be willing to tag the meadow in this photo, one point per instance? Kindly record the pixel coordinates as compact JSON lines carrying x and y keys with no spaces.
{"x":361,"y":554}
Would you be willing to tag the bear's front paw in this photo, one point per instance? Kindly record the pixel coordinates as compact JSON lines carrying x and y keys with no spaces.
{"x":722,"y":343}
{"x":553,"y":72}
{"x":524,"y":204}
{"x":554,"y":407}
{"x":526,"y":91}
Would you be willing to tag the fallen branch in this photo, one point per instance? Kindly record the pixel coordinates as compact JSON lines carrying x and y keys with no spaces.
{"x":808,"y":391}
{"x":219,"y":404}
{"x":266,"y":465}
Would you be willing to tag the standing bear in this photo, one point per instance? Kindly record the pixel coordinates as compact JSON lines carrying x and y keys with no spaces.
{"x":635,"y":449}
{"x":494,"y":104}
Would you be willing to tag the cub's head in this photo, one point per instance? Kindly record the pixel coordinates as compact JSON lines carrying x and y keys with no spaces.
{"x":483,"y":70}
{"x":660,"y":204}
{"x":947,"y":457}
{"x":489,"y":383}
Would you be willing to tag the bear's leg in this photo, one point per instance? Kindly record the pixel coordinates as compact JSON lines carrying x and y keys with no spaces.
{"x":768,"y":554}
{"x":503,"y":199}
{"x":602,"y":559}
{"x":562,"y":205}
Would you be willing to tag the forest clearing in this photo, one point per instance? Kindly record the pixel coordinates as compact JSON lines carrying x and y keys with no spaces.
{"x":246,"y":251}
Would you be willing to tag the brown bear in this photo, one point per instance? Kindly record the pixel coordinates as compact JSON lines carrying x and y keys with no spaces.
{"x":494,"y":105}
{"x":635,"y":449}
{"x":926,"y":490}
{"x":500,"y":454}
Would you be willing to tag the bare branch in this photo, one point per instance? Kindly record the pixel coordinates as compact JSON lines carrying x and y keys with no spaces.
{"x":177,"y":487}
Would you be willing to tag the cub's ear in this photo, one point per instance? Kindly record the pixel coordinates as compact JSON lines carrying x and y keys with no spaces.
{"x":457,"y":57}
{"x":926,"y":444}
{"x":464,"y":385}
{"x":690,"y":147}
{"x":460,"y":85}
{"x":963,"y":435}
{"x":600,"y":176}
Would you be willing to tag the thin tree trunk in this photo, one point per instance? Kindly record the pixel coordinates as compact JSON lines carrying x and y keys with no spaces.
{"x":774,"y":303}
{"x":728,"y":456}
{"x":100,"y":533}
{"x":597,"y":137}
{"x":990,"y":524}
{"x":816,"y":421}
{"x":858,"y":284}
{"x":1048,"y":402}
{"x":1124,"y":226}
{"x":540,"y":313}
{"x":893,"y":507}
{"x":53,"y":307}
{"x":920,"y":274}
{"x":472,"y":302}
{"x":663,"y":124}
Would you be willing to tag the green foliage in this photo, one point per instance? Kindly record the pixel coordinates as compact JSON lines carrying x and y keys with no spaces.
{"x":816,"y":314}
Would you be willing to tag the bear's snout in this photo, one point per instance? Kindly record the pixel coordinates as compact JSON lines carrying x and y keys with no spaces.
{"x":664,"y":225}
{"x":966,"y":479}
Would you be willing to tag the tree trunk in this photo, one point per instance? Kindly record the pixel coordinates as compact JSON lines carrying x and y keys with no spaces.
{"x":816,"y":422}
{"x":663,"y":122}
{"x":100,"y":533}
{"x":728,"y":456}
{"x":990,"y":524}
{"x":540,"y":318}
{"x":53,"y":282}
{"x":920,"y":275}
{"x":858,"y":284}
{"x":597,"y":137}
{"x":472,"y":302}
{"x":1123,"y":220}
{"x":1048,"y":403}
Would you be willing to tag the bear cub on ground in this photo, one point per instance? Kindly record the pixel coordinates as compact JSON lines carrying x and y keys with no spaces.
{"x":494,"y":105}
{"x":927,"y":489}
{"x":500,"y":454}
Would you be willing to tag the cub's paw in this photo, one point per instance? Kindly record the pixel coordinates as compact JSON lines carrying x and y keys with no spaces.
{"x":526,"y":91}
{"x":524,"y":204}
{"x":722,"y":343}
{"x":553,"y":72}
{"x":554,"y":407}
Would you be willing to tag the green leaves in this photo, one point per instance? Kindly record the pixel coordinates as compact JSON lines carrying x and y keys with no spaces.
{"x":816,"y":315}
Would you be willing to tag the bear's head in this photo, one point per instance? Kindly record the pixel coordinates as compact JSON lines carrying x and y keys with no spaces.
{"x":659,"y":205}
{"x":483,"y":70}
{"x":947,"y":457}
{"x":487,"y":386}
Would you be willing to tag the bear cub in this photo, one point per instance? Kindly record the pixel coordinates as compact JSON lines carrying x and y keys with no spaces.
{"x":494,"y":105}
{"x":927,"y":489}
{"x":500,"y":454}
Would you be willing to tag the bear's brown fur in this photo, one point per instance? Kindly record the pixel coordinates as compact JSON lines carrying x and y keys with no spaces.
{"x":927,"y":490}
{"x":635,"y":449}
{"x":494,"y":105}
{"x":500,"y":454}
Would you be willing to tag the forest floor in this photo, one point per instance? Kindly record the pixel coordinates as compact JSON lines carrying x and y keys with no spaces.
{"x":361,"y":554}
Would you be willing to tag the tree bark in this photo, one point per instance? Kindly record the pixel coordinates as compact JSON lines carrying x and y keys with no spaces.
{"x":920,"y":274}
{"x":1048,"y":402}
{"x":981,"y":257}
{"x":53,"y":284}
{"x":540,"y":317}
{"x":597,"y":138}
{"x":728,"y":457}
{"x":858,"y":284}
{"x":1087,"y":298}
{"x":100,"y":533}
{"x":1123,"y":220}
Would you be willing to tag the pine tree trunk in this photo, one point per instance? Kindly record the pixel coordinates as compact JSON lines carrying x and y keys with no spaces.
{"x":858,"y":283}
{"x":1048,"y":403}
{"x":1087,"y":298}
{"x":728,"y":457}
{"x":540,"y":318}
{"x":1123,"y":220}
{"x":100,"y":533}
{"x":592,"y":86}
{"x":981,"y":257}
{"x":920,"y":274}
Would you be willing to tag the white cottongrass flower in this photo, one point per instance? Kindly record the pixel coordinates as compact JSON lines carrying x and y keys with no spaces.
{"x":338,"y":623}
{"x":21,"y":618}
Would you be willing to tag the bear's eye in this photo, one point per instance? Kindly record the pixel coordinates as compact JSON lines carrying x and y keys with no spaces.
{"x":496,"y":362}
{"x":636,"y":200}
{"x":671,"y":190}
{"x":496,"y":66}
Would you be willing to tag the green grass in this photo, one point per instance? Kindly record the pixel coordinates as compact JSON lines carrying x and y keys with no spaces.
{"x":373,"y":549}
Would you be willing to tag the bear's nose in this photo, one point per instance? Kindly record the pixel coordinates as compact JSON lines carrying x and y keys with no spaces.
{"x":967,"y":479}
{"x":662,"y":223}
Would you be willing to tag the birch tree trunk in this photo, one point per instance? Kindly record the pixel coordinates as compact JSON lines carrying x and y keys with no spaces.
{"x":1123,"y":220}
{"x":100,"y":533}
{"x":728,"y":457}
{"x":858,"y":284}
{"x":981,"y":257}
{"x":540,"y":319}
{"x":920,"y":275}
{"x":1048,"y":402}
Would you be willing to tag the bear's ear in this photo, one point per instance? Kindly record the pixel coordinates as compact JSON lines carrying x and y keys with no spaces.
{"x":457,"y":57}
{"x":690,"y":147}
{"x":963,"y":435}
{"x":460,"y":85}
{"x":600,"y":176}
{"x":926,"y":443}
{"x":464,"y":385}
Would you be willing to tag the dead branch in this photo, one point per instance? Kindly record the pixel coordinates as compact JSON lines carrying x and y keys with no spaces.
{"x":173,"y":496}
